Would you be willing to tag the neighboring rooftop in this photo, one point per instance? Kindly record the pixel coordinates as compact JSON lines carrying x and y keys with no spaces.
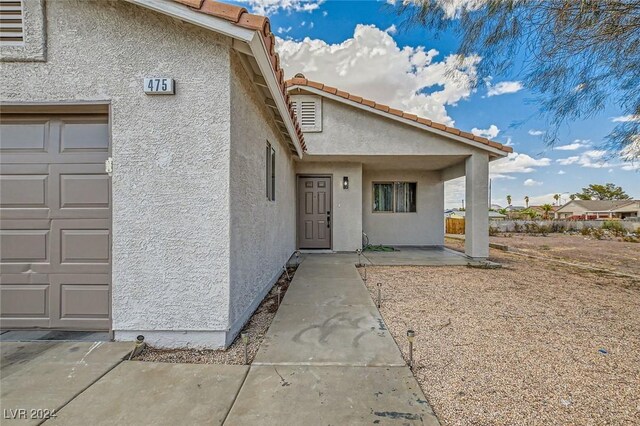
{"x":301,"y":80}
{"x":599,"y":205}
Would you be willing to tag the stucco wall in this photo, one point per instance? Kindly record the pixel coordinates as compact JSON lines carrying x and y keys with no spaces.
{"x":347,"y":204}
{"x":170,"y":153}
{"x":348,"y":130}
{"x":262,"y":231}
{"x":424,"y":227}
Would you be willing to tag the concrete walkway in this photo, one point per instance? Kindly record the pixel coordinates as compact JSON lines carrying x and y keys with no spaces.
{"x":328,"y":358}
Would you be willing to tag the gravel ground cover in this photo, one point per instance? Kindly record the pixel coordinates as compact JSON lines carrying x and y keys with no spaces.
{"x":234,"y":355}
{"x":535,"y":342}
{"x":607,"y":254}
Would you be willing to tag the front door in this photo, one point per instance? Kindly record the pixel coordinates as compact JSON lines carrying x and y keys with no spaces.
{"x":314,"y":212}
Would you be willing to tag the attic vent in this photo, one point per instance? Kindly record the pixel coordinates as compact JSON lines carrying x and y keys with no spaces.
{"x":11,"y":28}
{"x":308,"y":112}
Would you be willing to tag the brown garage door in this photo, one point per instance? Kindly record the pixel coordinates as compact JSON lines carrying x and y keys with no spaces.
{"x":55,"y":221}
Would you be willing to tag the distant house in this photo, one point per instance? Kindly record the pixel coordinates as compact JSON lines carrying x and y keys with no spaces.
{"x":599,"y":209}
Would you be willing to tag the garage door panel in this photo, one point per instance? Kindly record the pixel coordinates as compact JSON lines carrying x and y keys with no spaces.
{"x":84,"y":246}
{"x":80,"y":246}
{"x":24,"y":191}
{"x":79,"y":135}
{"x":24,"y":245}
{"x":82,"y":301}
{"x":79,"y":191}
{"x":24,"y":300}
{"x":23,"y":136}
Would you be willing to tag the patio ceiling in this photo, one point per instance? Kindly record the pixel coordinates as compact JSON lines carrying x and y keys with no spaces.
{"x":392,"y":162}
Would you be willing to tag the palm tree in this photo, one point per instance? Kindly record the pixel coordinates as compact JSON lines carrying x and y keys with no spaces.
{"x":557,"y":198}
{"x":526,"y":201}
{"x":572,"y":197}
{"x":508,"y":200}
{"x":546,"y":208}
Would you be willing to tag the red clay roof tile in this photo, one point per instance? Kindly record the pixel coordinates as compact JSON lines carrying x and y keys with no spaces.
{"x":222,"y":10}
{"x":368,"y":102}
{"x":191,"y":3}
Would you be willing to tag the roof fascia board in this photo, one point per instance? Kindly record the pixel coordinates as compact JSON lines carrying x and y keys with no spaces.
{"x":448,"y":135}
{"x":264,"y":63}
{"x":184,"y":13}
{"x":251,"y":37}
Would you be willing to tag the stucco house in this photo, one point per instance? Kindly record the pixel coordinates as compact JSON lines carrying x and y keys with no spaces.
{"x":157,"y":171}
{"x":599,"y":209}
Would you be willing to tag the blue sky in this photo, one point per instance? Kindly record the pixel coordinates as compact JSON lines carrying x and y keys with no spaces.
{"x":364,"y":47}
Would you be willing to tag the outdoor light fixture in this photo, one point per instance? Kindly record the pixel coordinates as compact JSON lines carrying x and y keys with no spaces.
{"x":359,"y":251}
{"x":410,"y":336}
{"x":245,"y":340}
{"x":345,"y":182}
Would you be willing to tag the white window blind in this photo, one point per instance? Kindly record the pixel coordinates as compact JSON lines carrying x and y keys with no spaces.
{"x":11,"y":23}
{"x":308,"y":111}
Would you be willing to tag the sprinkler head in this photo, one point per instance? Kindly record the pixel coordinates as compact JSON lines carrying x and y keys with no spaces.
{"x":140,"y":338}
{"x":244,"y":337}
{"x":411,"y":335}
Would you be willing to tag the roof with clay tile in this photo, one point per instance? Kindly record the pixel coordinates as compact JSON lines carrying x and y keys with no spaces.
{"x":239,"y":16}
{"x":299,"y":80}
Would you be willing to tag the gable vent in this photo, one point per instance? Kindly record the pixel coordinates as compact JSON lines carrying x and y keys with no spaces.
{"x":11,"y":23}
{"x":308,"y":112}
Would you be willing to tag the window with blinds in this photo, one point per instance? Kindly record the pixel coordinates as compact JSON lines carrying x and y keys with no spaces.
{"x":11,"y":23}
{"x":394,"y":197}
{"x":308,"y":111}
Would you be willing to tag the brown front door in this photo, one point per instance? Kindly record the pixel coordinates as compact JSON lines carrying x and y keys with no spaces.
{"x":314,"y":212}
{"x":55,"y":221}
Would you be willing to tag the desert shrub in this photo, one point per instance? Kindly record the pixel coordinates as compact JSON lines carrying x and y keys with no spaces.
{"x":586,"y":230}
{"x":557,"y":227}
{"x":531,"y":228}
{"x":597,"y":233}
{"x":544,"y":229}
{"x":631,"y":239}
{"x":517,"y":228}
{"x":493,"y":230}
{"x":614,"y":227}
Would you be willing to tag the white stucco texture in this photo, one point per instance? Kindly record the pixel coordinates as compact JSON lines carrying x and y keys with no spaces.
{"x":425,"y":227}
{"x":170,"y":181}
{"x":262,"y":231}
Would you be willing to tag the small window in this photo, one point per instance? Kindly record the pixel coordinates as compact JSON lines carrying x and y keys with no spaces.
{"x":308,"y":111}
{"x":270,"y":178}
{"x":394,"y":197}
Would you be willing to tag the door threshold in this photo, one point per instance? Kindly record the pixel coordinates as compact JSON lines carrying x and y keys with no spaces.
{"x":316,"y":251}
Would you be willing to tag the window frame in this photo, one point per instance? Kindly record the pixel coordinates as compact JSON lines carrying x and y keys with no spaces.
{"x":270,"y":172}
{"x":394,"y":193}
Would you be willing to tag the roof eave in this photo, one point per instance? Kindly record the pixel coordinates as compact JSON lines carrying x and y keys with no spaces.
{"x":497,"y":153}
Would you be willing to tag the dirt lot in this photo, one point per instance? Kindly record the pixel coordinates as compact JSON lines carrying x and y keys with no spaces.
{"x":607,"y":254}
{"x":532,"y":343}
{"x":256,"y":327}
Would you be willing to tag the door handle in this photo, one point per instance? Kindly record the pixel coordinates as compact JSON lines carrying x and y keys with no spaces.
{"x":328,"y":219}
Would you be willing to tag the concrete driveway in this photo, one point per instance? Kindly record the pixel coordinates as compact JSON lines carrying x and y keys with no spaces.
{"x":39,"y":378}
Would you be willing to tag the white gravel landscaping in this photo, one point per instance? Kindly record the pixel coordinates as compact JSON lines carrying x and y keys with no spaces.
{"x":531,"y":343}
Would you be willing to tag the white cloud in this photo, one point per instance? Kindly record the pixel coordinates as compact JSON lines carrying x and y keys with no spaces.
{"x":311,"y":25}
{"x":392,"y":29}
{"x":534,"y":132}
{"x":531,"y":182}
{"x":451,"y":8}
{"x":517,"y":163}
{"x":282,"y":30}
{"x":577,"y":144}
{"x":594,"y":159}
{"x":325,"y":13}
{"x":371,"y":64}
{"x":562,"y":172}
{"x":569,"y":160}
{"x":489,"y":133}
{"x":503,"y":88}
{"x":268,"y":7}
{"x":626,"y":118}
{"x":509,"y":142}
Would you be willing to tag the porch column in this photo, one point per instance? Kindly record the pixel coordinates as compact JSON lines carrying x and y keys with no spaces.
{"x":476,"y":225}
